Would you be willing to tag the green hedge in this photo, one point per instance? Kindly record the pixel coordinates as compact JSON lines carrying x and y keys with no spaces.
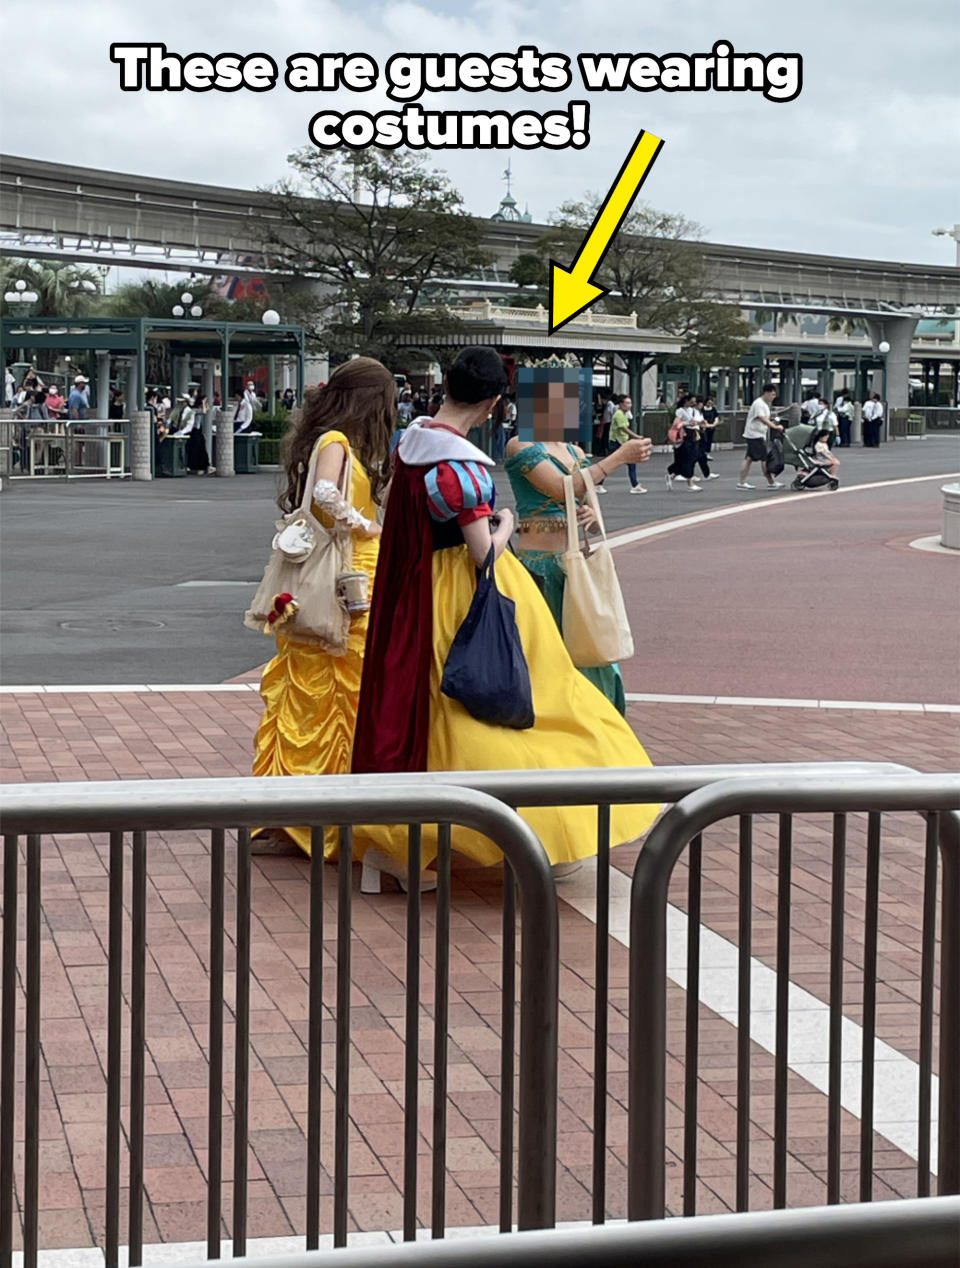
{"x":270,"y":452}
{"x":272,"y":426}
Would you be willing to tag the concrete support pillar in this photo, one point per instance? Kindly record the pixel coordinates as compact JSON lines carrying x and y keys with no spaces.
{"x":649,"y":398}
{"x":898,"y":332}
{"x":103,"y":385}
{"x":224,"y":456}
{"x":207,"y":422}
{"x":133,"y":387}
{"x":181,"y":375}
{"x":141,"y":444}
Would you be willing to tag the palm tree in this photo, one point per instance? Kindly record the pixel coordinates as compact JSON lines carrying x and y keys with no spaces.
{"x":63,"y":289}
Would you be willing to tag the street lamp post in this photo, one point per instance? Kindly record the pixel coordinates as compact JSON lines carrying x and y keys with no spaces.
{"x":950,"y":233}
{"x":185,"y":308}
{"x":883,"y":348}
{"x":21,"y":300}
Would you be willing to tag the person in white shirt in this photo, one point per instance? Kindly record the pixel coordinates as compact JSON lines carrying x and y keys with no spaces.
{"x":843,"y":407}
{"x":185,"y":418}
{"x":872,"y":421}
{"x":810,"y":408}
{"x":756,"y":432}
{"x":243,"y":414}
{"x":827,"y":420}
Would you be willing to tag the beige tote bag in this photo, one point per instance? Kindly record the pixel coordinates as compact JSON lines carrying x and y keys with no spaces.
{"x":595,"y":626}
{"x":298,"y":596}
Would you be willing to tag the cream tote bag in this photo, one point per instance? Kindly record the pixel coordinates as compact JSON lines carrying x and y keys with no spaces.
{"x":595,"y":626}
{"x":298,"y":595}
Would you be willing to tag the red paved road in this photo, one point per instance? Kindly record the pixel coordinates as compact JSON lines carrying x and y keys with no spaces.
{"x":821,"y":598}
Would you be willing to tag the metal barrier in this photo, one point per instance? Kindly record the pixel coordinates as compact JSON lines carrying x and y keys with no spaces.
{"x":919,"y":1233}
{"x":79,"y":449}
{"x":938,"y":798}
{"x":30,"y":810}
{"x":221,"y":804}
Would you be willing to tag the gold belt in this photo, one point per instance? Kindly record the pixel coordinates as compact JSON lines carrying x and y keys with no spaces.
{"x":551,"y":524}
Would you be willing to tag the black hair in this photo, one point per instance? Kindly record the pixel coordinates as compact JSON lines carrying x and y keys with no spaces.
{"x":820,"y":433}
{"x":768,"y":387}
{"x":476,"y":375}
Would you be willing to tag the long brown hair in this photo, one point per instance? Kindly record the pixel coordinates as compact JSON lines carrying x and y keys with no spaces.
{"x":361,"y":401}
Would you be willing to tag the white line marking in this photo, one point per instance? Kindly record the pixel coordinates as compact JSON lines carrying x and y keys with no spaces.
{"x":764,"y":702}
{"x":186,"y":585}
{"x":897,"y":1088}
{"x":658,"y":529}
{"x":129,"y":688}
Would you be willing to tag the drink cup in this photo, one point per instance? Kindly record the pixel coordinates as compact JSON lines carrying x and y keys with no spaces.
{"x":354,"y":590}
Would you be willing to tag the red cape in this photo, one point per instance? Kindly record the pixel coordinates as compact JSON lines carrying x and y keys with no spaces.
{"x":393,"y":717}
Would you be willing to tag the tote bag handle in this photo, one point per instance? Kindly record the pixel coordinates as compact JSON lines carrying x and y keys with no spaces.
{"x":573,"y":531}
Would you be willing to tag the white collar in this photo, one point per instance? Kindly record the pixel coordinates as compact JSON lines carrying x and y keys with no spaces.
{"x":421,"y":446}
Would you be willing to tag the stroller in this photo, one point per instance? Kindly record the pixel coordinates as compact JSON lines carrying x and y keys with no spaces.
{"x":797,"y":443}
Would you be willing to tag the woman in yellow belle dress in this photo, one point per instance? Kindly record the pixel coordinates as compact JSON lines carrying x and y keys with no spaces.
{"x":310,"y":697}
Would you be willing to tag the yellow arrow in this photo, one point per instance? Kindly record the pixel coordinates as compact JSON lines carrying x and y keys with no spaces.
{"x":571,"y":290}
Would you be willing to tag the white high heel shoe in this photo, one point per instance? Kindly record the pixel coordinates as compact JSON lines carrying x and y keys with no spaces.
{"x":376,"y":863}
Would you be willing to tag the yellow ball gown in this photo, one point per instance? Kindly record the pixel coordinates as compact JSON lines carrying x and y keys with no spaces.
{"x":310,"y":697}
{"x":576,"y":725}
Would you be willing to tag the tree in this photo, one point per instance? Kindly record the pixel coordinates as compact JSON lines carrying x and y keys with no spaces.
{"x":657,"y":269}
{"x":367,"y":232}
{"x":63,"y":289}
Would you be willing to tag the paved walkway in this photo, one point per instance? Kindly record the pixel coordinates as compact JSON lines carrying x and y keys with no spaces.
{"x":739,"y":642}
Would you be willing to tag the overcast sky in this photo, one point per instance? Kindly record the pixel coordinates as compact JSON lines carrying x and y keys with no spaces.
{"x":864,"y":162}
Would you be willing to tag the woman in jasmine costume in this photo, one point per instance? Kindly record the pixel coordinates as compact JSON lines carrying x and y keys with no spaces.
{"x":439,"y":527}
{"x":536,"y":470}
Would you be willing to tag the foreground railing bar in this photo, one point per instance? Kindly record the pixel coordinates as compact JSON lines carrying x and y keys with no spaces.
{"x":241,"y":1060}
{"x":8,"y":1044}
{"x":927,"y":949}
{"x":869,"y":1020}
{"x":784,"y":868}
{"x":114,"y":1008}
{"x":828,"y":1237}
{"x":411,"y":1055}
{"x":648,"y":940}
{"x":31,"y":1048}
{"x":164,"y":804}
{"x":601,"y":1003}
{"x":341,"y":1145}
{"x":411,"y":803}
{"x":948,"y":1169}
{"x":508,"y":990}
{"x":744,"y":980}
{"x":315,"y":1038}
{"x":441,"y":1015}
{"x":838,"y":883}
{"x":691,"y":1056}
{"x":138,"y":1042}
{"x":215,"y":1045}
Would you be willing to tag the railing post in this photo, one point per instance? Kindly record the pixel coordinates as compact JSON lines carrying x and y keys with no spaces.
{"x":949,"y":1147}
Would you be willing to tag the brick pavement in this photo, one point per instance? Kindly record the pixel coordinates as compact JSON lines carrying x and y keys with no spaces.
{"x":58,"y":736}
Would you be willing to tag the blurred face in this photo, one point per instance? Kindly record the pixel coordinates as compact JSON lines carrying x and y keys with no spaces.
{"x":626,"y":404}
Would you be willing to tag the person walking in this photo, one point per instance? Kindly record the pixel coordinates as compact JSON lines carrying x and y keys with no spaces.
{"x":440,"y":527}
{"x":872,"y":421}
{"x":309,"y":696}
{"x":756,"y":433}
{"x":620,"y":433}
{"x":684,"y":435}
{"x":710,"y":417}
{"x":536,"y":470}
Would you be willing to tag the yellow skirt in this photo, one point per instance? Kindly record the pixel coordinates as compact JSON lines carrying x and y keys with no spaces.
{"x":310,"y":714}
{"x":576,"y":725}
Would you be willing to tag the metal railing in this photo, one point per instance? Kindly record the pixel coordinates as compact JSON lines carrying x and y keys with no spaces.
{"x":921,"y":1234}
{"x":935,"y":796}
{"x":76,"y":449}
{"x":218,"y":805}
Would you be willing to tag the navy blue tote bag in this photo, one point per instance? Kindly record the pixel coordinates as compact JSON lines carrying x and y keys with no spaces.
{"x":486,"y":669}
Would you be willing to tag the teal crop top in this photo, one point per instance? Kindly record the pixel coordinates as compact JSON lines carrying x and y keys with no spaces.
{"x":533,"y":503}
